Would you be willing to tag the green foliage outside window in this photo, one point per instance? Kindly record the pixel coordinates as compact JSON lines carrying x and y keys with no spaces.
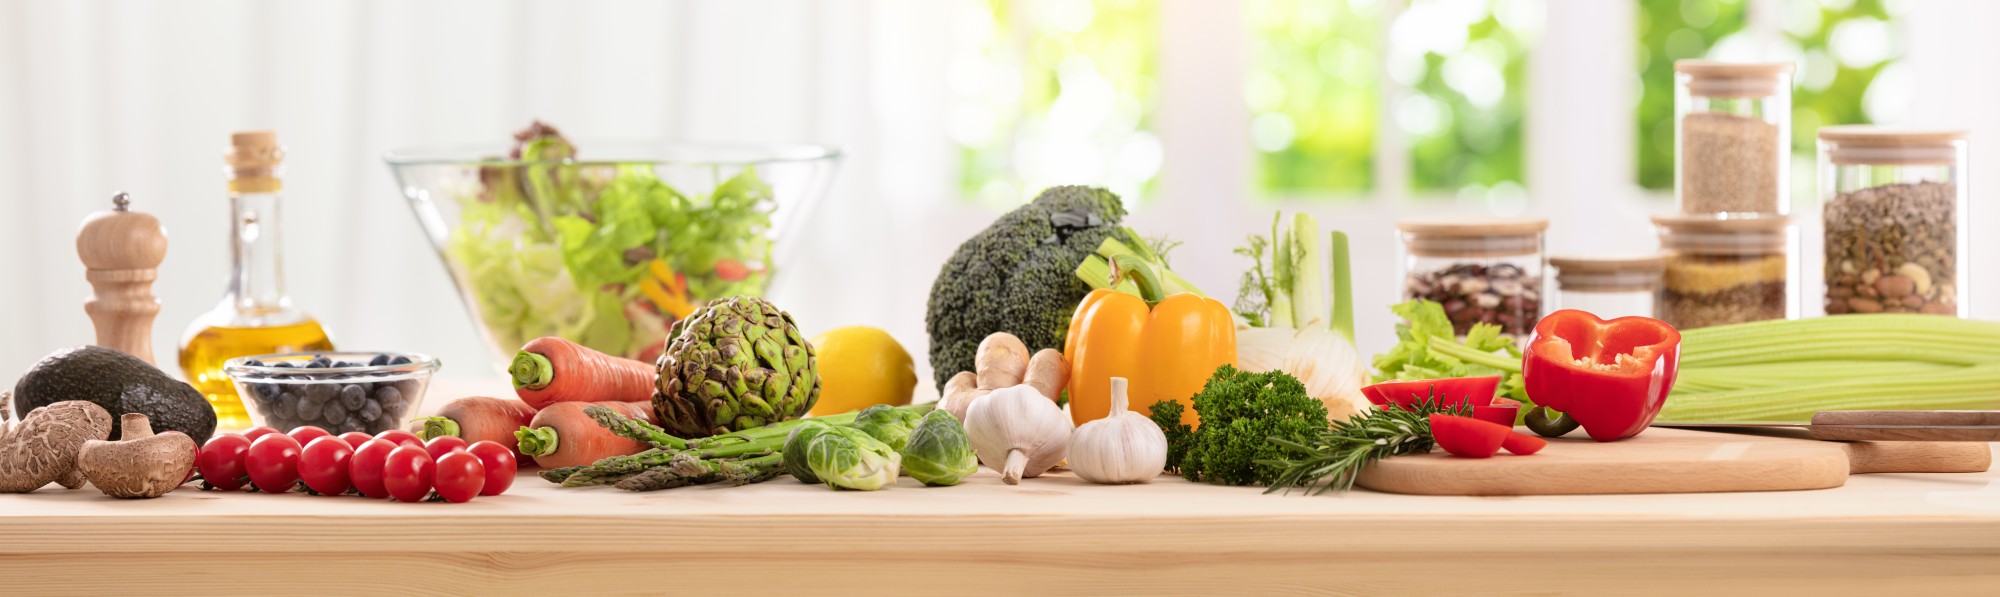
{"x":1314,"y":93}
{"x":1672,"y":30}
{"x":1464,"y":114}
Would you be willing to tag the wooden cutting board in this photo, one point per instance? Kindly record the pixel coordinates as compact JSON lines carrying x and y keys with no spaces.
{"x":1663,"y":460}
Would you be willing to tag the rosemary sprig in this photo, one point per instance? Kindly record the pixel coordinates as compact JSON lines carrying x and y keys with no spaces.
{"x":1332,"y":459}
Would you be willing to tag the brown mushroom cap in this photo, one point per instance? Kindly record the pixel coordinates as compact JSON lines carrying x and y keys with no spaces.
{"x":141,"y":465}
{"x":44,"y":447}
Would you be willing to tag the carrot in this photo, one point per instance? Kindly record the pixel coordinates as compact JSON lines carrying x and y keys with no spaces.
{"x":550,"y":370}
{"x":477,"y":418}
{"x":562,"y":435}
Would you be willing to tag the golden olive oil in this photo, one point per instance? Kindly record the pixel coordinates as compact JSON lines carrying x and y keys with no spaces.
{"x":204,"y":351}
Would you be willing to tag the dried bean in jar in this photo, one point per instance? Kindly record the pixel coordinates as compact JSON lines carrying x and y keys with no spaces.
{"x":1502,"y":294}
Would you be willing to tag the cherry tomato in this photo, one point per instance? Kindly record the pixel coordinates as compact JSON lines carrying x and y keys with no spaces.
{"x":354,"y":439}
{"x":273,"y":463}
{"x":459,"y":476}
{"x":323,"y":465}
{"x":257,"y":432}
{"x":401,"y":437}
{"x":408,"y":473}
{"x":499,"y":463}
{"x":221,"y":461}
{"x":364,"y":470}
{"x":444,"y":444}
{"x":193,"y":465}
{"x":305,"y":434}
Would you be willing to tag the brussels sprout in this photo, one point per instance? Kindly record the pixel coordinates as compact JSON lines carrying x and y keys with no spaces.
{"x":938,"y":452}
{"x":845,"y":457}
{"x":889,"y":424}
{"x":795,"y":449}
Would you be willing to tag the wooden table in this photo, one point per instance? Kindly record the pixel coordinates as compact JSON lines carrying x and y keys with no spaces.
{"x":1891,"y":534}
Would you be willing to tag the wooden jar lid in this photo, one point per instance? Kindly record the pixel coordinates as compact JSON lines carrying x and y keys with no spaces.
{"x":1473,"y":237}
{"x":1627,"y":273}
{"x":1707,"y":234}
{"x":1891,"y":146}
{"x":1709,"y":78}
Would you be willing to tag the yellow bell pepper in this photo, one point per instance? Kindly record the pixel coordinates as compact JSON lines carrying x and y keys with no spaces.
{"x":1167,"y":346}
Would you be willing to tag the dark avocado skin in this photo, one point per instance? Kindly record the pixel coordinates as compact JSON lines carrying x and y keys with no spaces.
{"x":121,"y":384}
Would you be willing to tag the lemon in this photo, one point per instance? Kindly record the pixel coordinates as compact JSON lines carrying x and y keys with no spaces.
{"x":859,"y":367}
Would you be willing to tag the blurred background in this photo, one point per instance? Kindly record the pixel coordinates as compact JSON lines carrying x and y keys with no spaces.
{"x":1206,"y":115}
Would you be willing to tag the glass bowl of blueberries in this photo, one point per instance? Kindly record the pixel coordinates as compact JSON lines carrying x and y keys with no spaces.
{"x":370,"y":392}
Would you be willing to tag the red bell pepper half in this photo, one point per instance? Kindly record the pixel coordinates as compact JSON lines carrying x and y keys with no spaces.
{"x":1451,"y":393}
{"x":1612,"y":377}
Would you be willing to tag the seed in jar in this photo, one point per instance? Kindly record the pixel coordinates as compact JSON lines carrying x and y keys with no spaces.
{"x":1729,"y":164}
{"x":1895,"y":232}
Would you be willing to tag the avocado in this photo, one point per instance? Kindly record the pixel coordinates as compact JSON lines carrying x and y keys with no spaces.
{"x":121,"y":384}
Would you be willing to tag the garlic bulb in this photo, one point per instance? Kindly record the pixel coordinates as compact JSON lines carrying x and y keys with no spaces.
{"x":1018,"y":432}
{"x":1124,"y":447}
{"x":1331,"y":369}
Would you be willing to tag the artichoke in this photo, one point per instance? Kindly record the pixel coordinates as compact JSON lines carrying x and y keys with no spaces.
{"x":735,"y":363}
{"x":888,"y":424}
{"x":938,"y":453}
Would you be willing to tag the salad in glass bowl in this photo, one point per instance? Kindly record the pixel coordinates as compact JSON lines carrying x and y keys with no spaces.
{"x":543,"y":239}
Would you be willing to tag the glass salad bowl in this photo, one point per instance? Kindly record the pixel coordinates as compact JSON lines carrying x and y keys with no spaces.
{"x":607,"y":243}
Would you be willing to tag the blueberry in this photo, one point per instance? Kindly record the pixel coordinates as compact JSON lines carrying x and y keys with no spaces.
{"x":351,"y":423}
{"x":319,"y":362}
{"x":283,"y":409}
{"x":370,"y":411}
{"x":282,"y":364}
{"x":345,"y":364}
{"x":351,"y":396}
{"x":400,"y":360}
{"x":379,"y":360}
{"x":308,"y":408}
{"x":253,"y":363}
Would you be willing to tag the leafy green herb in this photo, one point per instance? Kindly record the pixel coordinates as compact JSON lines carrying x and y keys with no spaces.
{"x":1240,"y":414}
{"x":1333,"y":458}
{"x":1426,"y":348}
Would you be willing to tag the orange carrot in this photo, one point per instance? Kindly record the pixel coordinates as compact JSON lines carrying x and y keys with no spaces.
{"x":562,"y":435}
{"x":550,"y":370}
{"x":477,"y":418}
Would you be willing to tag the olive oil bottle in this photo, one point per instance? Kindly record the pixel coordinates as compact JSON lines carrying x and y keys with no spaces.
{"x":255,"y":316}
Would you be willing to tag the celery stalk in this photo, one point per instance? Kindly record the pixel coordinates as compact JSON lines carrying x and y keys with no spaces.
{"x":1343,"y":288}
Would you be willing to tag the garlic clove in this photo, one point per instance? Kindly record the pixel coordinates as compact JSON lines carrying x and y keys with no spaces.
{"x":1018,"y":432}
{"x":1125,"y":447}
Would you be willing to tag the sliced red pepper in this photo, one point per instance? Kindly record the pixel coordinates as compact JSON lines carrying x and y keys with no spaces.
{"x":1451,"y":392}
{"x":1466,"y":437}
{"x":1502,"y":411}
{"x":1523,"y":444}
{"x":1612,"y":377}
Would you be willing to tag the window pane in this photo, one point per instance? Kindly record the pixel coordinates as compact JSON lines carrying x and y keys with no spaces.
{"x":1313,"y":93}
{"x":1672,"y":30}
{"x":1842,"y":52}
{"x":1055,"y":92}
{"x":1465,"y":64}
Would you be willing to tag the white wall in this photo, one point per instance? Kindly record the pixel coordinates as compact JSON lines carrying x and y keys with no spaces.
{"x":100,"y":96}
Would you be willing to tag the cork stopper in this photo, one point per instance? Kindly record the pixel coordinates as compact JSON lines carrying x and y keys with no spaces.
{"x":252,"y":159}
{"x":121,"y":239}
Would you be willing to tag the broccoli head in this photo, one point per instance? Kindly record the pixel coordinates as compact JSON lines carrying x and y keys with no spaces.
{"x":1240,"y":412}
{"x":1017,"y":276}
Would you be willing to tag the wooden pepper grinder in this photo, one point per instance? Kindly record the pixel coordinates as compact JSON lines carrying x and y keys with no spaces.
{"x":122,"y":251}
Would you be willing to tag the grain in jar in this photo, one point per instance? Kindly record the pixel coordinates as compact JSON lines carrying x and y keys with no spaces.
{"x":1611,"y":286}
{"x":1725,"y":270}
{"x":1480,"y":270}
{"x":1732,"y":137}
{"x":1894,"y":236}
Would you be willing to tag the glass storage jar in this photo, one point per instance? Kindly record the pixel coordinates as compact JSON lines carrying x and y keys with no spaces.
{"x":1893,"y":210}
{"x":1609,"y":287}
{"x":1732,"y":134}
{"x":1726,"y":270}
{"x":1486,"y":270}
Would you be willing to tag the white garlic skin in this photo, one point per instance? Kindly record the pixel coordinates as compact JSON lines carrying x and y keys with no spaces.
{"x":1018,"y":431}
{"x":1124,"y":447}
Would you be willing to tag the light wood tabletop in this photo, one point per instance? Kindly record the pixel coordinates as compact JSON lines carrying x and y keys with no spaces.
{"x":1054,"y":535}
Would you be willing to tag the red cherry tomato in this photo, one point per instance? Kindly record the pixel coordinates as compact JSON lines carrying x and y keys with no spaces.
{"x":364,"y":469}
{"x":221,"y":461}
{"x":323,"y":465}
{"x":401,"y":437}
{"x":459,"y":476}
{"x":273,"y":463}
{"x":444,"y":444}
{"x":354,"y":439}
{"x":499,"y":463}
{"x":305,"y":434}
{"x":408,"y":473}
{"x":257,"y":432}
{"x":193,"y":465}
